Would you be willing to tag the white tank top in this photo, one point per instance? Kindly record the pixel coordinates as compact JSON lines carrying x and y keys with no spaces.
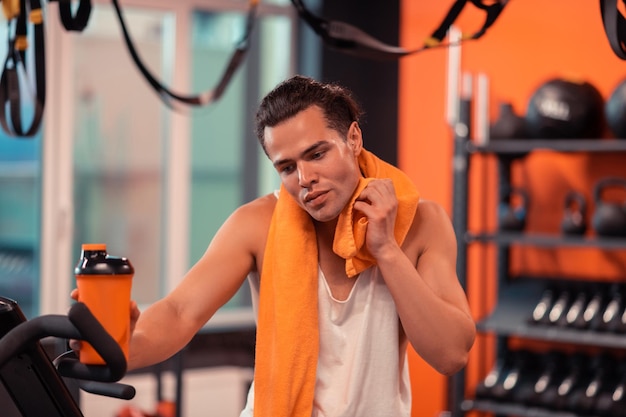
{"x":362,"y":368}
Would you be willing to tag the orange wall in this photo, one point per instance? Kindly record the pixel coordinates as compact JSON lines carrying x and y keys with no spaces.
{"x":533,"y":40}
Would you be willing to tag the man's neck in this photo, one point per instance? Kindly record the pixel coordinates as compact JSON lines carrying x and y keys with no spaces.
{"x":325,"y":230}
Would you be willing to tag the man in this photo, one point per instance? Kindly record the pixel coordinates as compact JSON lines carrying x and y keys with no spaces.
{"x":332,"y":330}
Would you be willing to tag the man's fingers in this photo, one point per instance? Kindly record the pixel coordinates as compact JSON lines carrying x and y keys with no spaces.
{"x":74,"y":345}
{"x":134,"y":311}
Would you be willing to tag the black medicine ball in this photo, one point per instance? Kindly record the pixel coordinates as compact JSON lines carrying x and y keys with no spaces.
{"x":615,"y":110}
{"x":563,"y":109}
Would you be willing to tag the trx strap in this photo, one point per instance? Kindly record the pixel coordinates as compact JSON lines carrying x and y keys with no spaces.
{"x":15,"y":64}
{"x":167,"y":95}
{"x":352,"y":40}
{"x":614,"y":26}
{"x":77,"y":22}
{"x":492,"y":12}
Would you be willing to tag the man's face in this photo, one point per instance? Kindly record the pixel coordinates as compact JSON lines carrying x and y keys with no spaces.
{"x":317,"y":166}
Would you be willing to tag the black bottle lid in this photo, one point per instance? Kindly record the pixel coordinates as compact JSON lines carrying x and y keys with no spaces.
{"x":95,"y":260}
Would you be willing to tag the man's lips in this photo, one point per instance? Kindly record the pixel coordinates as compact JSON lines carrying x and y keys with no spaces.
{"x":313,"y":197}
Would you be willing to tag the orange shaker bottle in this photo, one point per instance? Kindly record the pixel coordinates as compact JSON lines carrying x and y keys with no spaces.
{"x":104,"y":284}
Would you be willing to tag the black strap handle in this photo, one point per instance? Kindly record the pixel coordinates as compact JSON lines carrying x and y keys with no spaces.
{"x":348,"y":38}
{"x":74,"y":22}
{"x":352,"y":40}
{"x":170,"y":97}
{"x":614,"y":26}
{"x":492,"y":12}
{"x":14,"y":65}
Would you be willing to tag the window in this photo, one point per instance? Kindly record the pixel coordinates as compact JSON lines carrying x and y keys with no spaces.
{"x":125,"y":170}
{"x":228,"y":165}
{"x":120,"y":131}
{"x":20,"y":202}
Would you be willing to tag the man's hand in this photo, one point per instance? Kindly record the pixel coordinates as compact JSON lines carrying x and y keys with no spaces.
{"x":379,"y":204}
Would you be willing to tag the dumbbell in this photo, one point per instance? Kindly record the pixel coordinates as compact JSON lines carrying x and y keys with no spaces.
{"x":583,"y":399}
{"x":558,"y":311}
{"x":551,"y":370}
{"x":612,"y":402}
{"x":484,"y":389}
{"x":542,"y":308}
{"x":574,"y":316}
{"x":613,"y":311}
{"x":592,"y":315}
{"x":557,"y":395}
{"x":514,"y":375}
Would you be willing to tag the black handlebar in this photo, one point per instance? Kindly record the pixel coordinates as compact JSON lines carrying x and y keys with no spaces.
{"x":79,"y":324}
{"x":93,"y":332}
{"x":65,"y":365}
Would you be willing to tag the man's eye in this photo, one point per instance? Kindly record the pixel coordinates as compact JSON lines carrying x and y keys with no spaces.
{"x":318,"y":155}
{"x":286,"y":169}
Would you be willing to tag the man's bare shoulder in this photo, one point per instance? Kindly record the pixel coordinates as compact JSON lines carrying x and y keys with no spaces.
{"x":251,"y":221}
{"x":428,"y":210}
{"x":431,"y":224}
{"x":259,"y":209}
{"x":247,"y":227}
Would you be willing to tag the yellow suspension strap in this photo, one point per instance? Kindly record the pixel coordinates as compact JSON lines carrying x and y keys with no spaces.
{"x":13,"y":99}
{"x":11,"y":9}
{"x":169,"y":97}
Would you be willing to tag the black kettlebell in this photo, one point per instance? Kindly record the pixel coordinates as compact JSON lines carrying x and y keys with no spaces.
{"x":513,"y":216}
{"x":573,"y":222}
{"x":508,"y":125}
{"x":609,"y":218}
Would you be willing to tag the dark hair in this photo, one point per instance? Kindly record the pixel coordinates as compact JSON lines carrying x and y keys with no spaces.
{"x":299,"y":93}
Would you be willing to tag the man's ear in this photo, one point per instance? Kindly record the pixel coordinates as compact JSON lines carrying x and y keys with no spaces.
{"x":355,"y":138}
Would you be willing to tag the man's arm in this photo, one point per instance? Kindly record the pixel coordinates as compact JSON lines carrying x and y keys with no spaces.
{"x":431,"y":303}
{"x":421,"y":277}
{"x":169,"y":324}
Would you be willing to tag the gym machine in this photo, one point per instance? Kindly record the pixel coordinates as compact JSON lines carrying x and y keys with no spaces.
{"x":36,"y":383}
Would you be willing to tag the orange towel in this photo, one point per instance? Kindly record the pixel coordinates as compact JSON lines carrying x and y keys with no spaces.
{"x":287,"y":328}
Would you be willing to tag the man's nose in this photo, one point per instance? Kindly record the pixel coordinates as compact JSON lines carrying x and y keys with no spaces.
{"x":306,"y":175}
